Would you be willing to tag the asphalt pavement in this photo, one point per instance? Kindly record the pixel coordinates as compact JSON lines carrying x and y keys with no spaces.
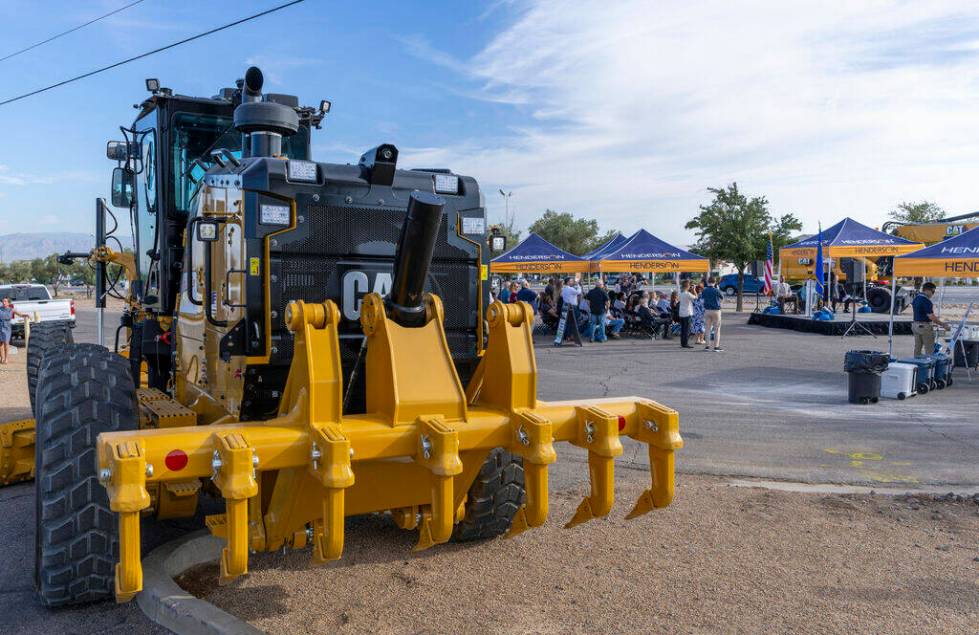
{"x":772,"y":406}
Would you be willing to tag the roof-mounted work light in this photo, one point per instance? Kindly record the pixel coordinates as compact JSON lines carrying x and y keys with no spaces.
{"x":152,"y":85}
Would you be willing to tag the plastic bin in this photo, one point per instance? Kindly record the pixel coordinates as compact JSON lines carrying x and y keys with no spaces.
{"x":971,"y":357}
{"x":863,"y":369}
{"x":926,"y":373}
{"x":863,"y":388}
{"x":943,"y":370}
{"x":899,"y":381}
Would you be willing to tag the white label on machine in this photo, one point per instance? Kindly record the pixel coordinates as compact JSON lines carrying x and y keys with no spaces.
{"x":275,"y":215}
{"x":473,"y":225}
{"x":302,"y":170}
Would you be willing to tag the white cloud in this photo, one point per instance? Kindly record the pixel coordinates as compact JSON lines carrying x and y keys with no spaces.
{"x":632,"y":109}
{"x":15,"y":178}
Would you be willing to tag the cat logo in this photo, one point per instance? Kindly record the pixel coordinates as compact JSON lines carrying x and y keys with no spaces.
{"x":356,"y":284}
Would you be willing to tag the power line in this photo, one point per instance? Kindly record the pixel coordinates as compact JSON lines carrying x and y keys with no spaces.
{"x":63,"y":33}
{"x":148,"y":53}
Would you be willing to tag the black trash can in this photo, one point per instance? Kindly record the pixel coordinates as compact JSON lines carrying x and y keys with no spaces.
{"x":863,"y":369}
{"x":864,"y":388}
{"x":971,"y":357}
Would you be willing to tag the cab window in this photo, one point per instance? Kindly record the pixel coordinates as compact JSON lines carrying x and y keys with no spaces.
{"x":197,"y":135}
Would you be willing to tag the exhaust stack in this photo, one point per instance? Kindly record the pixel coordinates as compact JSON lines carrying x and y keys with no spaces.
{"x":263,"y":123}
{"x":414,"y":257}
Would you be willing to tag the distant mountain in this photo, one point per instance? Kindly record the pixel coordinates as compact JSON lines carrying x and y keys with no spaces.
{"x":42,"y":244}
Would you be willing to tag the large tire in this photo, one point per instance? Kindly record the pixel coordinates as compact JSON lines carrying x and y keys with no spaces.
{"x":81,"y":392}
{"x":46,"y":337}
{"x":494,"y":498}
{"x":879,"y":300}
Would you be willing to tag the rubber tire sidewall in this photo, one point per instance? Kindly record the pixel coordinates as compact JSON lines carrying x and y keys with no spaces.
{"x":46,"y":337}
{"x":493,"y":499}
{"x":82,"y":391}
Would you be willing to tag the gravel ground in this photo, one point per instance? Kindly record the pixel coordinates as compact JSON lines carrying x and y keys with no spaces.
{"x":719,"y":560}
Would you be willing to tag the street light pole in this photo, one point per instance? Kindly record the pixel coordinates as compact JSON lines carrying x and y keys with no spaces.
{"x":506,"y":198}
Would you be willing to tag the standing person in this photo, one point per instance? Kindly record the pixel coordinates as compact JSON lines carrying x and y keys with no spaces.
{"x":698,"y":315}
{"x":685,"y":312}
{"x":598,"y":303}
{"x":712,"y":297}
{"x":512,"y":291}
{"x":924,"y":317}
{"x":528,"y":295}
{"x":568,"y":310}
{"x":783,"y":293}
{"x":7,"y":313}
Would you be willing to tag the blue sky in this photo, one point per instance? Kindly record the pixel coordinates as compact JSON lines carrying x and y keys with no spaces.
{"x":622,"y":111}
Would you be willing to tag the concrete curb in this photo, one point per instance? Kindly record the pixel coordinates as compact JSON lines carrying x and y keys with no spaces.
{"x":170,"y":606}
{"x":889,"y":489}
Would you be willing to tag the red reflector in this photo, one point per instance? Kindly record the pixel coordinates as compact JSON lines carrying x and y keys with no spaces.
{"x":621,"y":423}
{"x":176,"y":460}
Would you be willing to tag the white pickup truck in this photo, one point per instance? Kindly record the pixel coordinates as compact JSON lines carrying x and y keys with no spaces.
{"x":35,"y":300}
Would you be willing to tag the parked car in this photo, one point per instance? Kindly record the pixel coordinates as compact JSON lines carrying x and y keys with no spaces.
{"x":35,"y":300}
{"x":729,"y":284}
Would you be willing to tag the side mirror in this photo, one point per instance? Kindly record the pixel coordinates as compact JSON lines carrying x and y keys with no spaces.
{"x":117,"y":150}
{"x":207,"y":231}
{"x":122,"y":187}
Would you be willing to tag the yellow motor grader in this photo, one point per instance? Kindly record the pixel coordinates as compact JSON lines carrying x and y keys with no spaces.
{"x":307,"y":341}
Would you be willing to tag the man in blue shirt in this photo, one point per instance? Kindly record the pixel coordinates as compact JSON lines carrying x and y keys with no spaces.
{"x":924,"y":317}
{"x":712,"y":297}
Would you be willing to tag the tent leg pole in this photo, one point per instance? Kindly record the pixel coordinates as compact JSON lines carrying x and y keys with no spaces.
{"x":890,"y":325}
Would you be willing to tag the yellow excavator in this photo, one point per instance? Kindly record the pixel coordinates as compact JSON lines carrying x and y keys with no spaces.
{"x":306,"y":341}
{"x":936,"y":231}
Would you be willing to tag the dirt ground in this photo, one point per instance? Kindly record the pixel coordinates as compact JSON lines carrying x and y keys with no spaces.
{"x":719,"y":560}
{"x":14,"y":402}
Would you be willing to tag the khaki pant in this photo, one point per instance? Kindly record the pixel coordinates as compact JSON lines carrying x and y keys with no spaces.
{"x":713,"y":319}
{"x":924,"y":338}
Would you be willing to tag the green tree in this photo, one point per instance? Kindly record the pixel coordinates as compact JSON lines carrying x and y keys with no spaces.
{"x":920,"y":212}
{"x":47,"y":271}
{"x":82,"y":270}
{"x":575,"y":235}
{"x":19,"y":271}
{"x":735,"y":228}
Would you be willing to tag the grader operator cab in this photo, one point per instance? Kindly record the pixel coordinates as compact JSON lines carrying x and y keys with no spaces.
{"x":308,"y":341}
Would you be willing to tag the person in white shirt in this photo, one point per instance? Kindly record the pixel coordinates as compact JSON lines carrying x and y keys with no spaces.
{"x":783,"y":293}
{"x":568,"y":310}
{"x":686,"y":312}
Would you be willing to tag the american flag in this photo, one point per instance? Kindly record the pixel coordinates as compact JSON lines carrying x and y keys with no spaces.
{"x":769,"y":267}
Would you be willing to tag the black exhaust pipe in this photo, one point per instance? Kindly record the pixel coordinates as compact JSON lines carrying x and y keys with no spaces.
{"x":414,"y":257}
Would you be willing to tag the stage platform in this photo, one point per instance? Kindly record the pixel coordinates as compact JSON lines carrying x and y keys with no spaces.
{"x":875,"y":322}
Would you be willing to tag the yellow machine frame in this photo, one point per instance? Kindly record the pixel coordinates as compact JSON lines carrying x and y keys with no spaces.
{"x":291,"y":480}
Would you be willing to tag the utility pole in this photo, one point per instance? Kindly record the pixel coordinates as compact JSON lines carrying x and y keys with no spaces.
{"x":506,"y":198}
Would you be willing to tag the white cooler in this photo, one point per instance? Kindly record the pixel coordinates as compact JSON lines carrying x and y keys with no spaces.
{"x":899,"y":381}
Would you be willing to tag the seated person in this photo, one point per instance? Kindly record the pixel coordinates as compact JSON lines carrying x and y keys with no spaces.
{"x":662,"y":303}
{"x":613,"y":324}
{"x":652,"y":321}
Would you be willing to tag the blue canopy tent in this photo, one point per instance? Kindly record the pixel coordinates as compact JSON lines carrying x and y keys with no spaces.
{"x":616,"y":241}
{"x":850,"y":239}
{"x":536,"y":255}
{"x":645,"y":252}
